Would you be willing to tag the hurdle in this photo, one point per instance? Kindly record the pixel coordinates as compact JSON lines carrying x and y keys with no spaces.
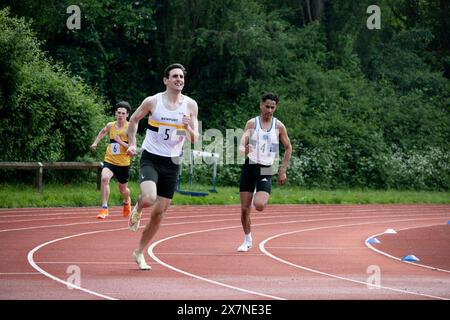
{"x":192,"y":155}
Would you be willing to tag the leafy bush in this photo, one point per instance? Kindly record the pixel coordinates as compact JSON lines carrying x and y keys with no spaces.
{"x":48,"y":115}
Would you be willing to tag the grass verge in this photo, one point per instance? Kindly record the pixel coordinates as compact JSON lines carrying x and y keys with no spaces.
{"x":85,"y":195}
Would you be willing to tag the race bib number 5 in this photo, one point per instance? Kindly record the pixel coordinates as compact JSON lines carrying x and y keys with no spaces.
{"x":166,"y":133}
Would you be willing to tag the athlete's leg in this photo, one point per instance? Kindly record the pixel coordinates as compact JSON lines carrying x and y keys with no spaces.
{"x":263,"y":189}
{"x":147,"y":196}
{"x":159,"y":208}
{"x":246,"y":207}
{"x":124,"y":191}
{"x":261,"y":200}
{"x":107,"y":174}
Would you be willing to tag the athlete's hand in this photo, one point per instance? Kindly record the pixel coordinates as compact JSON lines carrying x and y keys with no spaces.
{"x":186,"y":121}
{"x":93,"y":146}
{"x":246,"y":150}
{"x":282,"y":177}
{"x":132,"y":151}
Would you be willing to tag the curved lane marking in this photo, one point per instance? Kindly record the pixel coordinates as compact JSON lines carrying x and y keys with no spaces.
{"x":31,"y":253}
{"x":30,"y":257}
{"x":263,"y":249}
{"x":153,"y":255}
{"x":366,"y":242}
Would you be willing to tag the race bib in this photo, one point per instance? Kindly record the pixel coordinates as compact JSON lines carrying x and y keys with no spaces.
{"x":167,"y":133}
{"x":114,"y":148}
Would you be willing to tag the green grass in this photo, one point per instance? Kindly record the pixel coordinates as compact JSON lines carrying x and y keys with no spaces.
{"x":84,"y":195}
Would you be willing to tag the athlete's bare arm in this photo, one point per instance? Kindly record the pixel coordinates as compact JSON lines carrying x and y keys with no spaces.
{"x":284,"y":139}
{"x":244,"y":146}
{"x":147,"y":106}
{"x":100,"y":135}
{"x":190,"y":121}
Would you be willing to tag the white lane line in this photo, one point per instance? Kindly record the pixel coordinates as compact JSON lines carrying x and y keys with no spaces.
{"x":261,"y":217}
{"x":87,"y":262}
{"x":366,"y":242}
{"x":31,"y":253}
{"x":124,"y":221}
{"x":314,"y":248}
{"x":151,"y":253}
{"x":263,"y":249}
{"x":34,"y":264}
{"x":173,"y":213}
{"x":18,"y":273}
{"x":30,"y":257}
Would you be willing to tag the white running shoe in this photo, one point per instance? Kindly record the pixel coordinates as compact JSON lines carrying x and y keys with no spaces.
{"x":140,"y":260}
{"x":134,"y":219}
{"x":245,"y":247}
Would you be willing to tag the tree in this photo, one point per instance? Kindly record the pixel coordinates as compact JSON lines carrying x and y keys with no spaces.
{"x":48,"y":115}
{"x":111,"y":51}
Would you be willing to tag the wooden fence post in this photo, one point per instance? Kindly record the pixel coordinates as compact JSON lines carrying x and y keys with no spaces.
{"x":99,"y":176}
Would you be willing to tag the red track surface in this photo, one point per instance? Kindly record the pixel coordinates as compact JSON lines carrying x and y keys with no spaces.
{"x":300,"y":252}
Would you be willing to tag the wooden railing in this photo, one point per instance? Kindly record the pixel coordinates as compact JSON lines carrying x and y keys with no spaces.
{"x":40,"y":166}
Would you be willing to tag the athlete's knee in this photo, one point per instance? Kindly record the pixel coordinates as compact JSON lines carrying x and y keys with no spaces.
{"x":259,"y":206}
{"x":147,"y":200}
{"x":105,"y":179}
{"x":123,"y":189}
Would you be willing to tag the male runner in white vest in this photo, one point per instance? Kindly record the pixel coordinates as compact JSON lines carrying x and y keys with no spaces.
{"x":172,"y":119}
{"x":260,"y":143}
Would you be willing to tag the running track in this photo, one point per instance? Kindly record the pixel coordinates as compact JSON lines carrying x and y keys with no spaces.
{"x":300,"y":252}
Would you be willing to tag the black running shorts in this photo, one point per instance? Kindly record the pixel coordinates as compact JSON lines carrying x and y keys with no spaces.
{"x":161,"y":170}
{"x":122,"y":173}
{"x":254,"y":175}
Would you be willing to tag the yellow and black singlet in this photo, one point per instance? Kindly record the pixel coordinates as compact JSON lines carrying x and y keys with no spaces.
{"x":115,"y":153}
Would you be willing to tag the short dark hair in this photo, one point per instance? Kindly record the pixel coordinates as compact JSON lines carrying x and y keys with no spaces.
{"x":270,"y":96}
{"x":174,"y":66}
{"x":123,"y":104}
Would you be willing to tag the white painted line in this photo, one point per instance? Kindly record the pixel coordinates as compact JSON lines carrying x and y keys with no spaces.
{"x":151,"y":253}
{"x":314,"y":248}
{"x":31,"y":253}
{"x":370,"y":246}
{"x":86,"y":262}
{"x":263,"y":249}
{"x":31,"y":261}
{"x":18,"y":273}
{"x":96,"y":221}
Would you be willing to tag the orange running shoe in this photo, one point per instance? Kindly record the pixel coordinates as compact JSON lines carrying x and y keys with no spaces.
{"x":126,"y":208}
{"x":103,"y":213}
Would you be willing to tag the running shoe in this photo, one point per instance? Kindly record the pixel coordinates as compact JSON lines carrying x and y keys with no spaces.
{"x":126,"y":209}
{"x":245,"y":247}
{"x":140,"y":260}
{"x":134,"y":219}
{"x":103,"y":214}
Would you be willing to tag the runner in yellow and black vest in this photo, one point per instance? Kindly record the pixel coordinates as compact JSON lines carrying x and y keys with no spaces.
{"x":117,"y":161}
